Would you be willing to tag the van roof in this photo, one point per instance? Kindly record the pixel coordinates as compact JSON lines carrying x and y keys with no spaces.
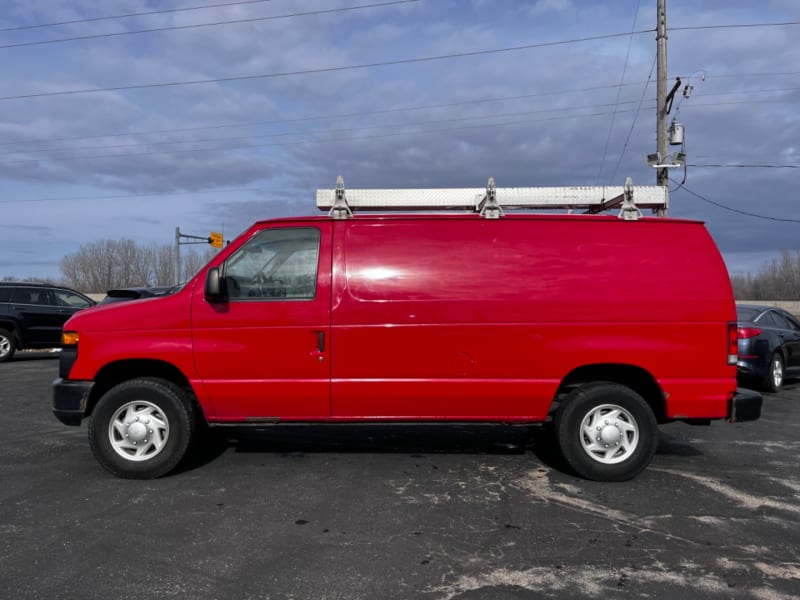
{"x":416,"y":216}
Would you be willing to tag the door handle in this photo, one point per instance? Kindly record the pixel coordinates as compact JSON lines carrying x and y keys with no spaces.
{"x":321,"y":341}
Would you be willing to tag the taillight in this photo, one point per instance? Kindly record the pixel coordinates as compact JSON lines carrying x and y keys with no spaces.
{"x":745,"y":333}
{"x":733,"y":343}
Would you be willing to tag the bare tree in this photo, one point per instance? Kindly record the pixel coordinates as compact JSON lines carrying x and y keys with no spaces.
{"x":193,"y":261}
{"x":143,"y":267}
{"x":100,"y":266}
{"x":91,"y":268}
{"x":125,"y":254}
{"x":164,"y":264}
{"x":778,"y":279}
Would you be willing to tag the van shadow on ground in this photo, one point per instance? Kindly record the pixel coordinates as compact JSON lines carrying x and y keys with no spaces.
{"x":489,"y":439}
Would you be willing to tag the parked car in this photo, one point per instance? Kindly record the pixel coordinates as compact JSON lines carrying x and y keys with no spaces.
{"x":135,"y":293}
{"x":769,"y":345}
{"x":32,"y":315}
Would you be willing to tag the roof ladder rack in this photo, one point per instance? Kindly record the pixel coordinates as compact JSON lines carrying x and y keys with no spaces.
{"x":493,"y":202}
{"x":488,"y":206}
{"x":340,"y":208}
{"x":629,"y":211}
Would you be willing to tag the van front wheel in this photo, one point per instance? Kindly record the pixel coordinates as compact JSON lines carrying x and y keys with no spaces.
{"x":606,"y":432}
{"x":141,"y":429}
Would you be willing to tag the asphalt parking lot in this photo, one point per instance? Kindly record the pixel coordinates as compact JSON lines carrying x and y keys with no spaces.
{"x":449,"y":513}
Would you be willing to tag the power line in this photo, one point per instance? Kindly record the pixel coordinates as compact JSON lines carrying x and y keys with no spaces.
{"x":212,"y":24}
{"x":74,"y":156}
{"x":73,"y":149}
{"x":139,"y":14}
{"x":736,"y":210}
{"x":737,"y":75}
{"x":733,"y":26}
{"x":778,"y":101}
{"x":405,"y":61}
{"x":223,"y":139}
{"x":346,"y":130}
{"x":126,"y":196}
{"x":259,"y":190}
{"x":337,"y":139}
{"x":619,"y":92}
{"x":768,"y":91}
{"x":245,"y":2}
{"x":635,"y":118}
{"x":387,"y":111}
{"x":743,"y":166}
{"x":322,"y":117}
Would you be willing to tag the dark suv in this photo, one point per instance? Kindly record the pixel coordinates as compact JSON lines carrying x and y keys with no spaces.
{"x":32,"y":315}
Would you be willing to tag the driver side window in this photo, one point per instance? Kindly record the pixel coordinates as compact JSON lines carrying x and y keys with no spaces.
{"x":276,"y":264}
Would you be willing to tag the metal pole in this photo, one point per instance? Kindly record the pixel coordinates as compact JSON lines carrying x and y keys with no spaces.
{"x":662,"y":174}
{"x":177,"y":255}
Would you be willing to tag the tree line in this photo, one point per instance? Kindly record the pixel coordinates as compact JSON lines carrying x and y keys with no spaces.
{"x":100,"y":266}
{"x":778,"y":279}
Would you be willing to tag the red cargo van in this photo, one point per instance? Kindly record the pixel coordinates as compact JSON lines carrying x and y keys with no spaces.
{"x":598,"y":326}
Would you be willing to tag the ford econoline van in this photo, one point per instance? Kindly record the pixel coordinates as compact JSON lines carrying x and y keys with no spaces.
{"x":597,"y":326}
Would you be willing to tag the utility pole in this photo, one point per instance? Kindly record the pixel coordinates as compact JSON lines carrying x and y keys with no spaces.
{"x":662,"y":173}
{"x":177,"y":275}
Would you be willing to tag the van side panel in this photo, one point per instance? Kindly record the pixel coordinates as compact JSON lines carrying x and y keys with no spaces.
{"x":469,"y":318}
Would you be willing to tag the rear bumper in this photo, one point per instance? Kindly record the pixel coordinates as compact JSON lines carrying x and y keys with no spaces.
{"x":752,"y":368}
{"x":70,"y":399}
{"x":744,"y":406}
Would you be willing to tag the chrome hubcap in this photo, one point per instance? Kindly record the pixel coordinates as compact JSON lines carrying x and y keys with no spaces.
{"x":5,"y":345}
{"x":138,"y":430}
{"x":777,"y":372}
{"x":609,"y":434}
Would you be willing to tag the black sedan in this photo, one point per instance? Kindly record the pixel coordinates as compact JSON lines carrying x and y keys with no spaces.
{"x":769,"y":345}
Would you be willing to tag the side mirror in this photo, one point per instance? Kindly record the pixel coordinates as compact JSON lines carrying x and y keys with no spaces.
{"x":214,"y":291}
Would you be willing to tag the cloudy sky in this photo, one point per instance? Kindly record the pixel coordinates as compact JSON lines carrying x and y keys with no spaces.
{"x":238,"y":111}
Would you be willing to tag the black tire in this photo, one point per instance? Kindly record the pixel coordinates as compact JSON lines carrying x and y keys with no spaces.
{"x":8,"y":345}
{"x":773,"y":382}
{"x":142,"y":428}
{"x":625,"y":442}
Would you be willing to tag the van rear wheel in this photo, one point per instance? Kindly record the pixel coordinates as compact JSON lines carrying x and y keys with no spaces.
{"x":142,"y":428}
{"x":606,"y":432}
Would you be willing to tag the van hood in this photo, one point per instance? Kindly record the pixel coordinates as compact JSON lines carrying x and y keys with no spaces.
{"x":161,"y":312}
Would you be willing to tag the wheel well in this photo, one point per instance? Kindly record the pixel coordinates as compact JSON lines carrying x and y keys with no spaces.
{"x":635,"y":378}
{"x":119,"y":372}
{"x":11,"y":327}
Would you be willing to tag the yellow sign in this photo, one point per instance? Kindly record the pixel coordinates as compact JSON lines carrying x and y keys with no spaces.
{"x":215,"y":239}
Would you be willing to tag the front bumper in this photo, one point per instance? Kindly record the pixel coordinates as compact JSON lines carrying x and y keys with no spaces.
{"x":70,"y":399}
{"x":744,"y":406}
